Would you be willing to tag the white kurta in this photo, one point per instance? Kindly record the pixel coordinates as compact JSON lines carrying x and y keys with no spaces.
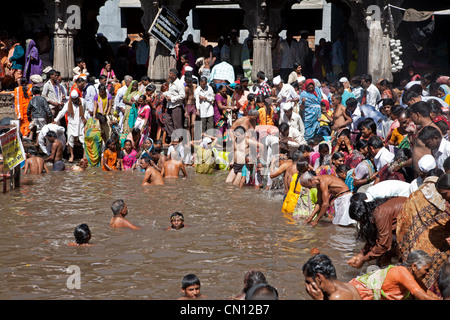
{"x":75,"y":127}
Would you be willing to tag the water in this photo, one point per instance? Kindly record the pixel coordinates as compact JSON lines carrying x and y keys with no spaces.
{"x":230,"y":231}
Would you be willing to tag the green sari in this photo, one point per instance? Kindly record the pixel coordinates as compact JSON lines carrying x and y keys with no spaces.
{"x":93,"y":142}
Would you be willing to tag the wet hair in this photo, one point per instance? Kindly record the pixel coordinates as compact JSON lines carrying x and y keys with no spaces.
{"x":82,"y":234}
{"x":302,"y":166}
{"x":428,"y":133}
{"x":252,"y":278}
{"x":176,"y":214}
{"x":189,"y":280}
{"x":101,"y":118}
{"x":147,"y":158}
{"x":444,"y":281}
{"x":418,"y":257}
{"x":117,"y":206}
{"x":32,"y":150}
{"x":51,"y":134}
{"x":320,"y":263}
{"x":262,"y":291}
{"x":436,"y":172}
{"x":296,"y":155}
{"x":362,"y":212}
{"x":443,"y":182}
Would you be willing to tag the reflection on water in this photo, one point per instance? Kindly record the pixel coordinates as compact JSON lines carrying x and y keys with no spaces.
{"x":230,"y":231}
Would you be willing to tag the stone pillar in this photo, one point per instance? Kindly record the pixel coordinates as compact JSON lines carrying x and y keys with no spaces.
{"x":262,"y":53}
{"x":379,"y":55}
{"x":160,"y":61}
{"x":63,"y":56}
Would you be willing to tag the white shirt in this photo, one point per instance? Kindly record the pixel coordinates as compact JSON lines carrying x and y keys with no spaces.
{"x":298,"y":139}
{"x":44,"y":144}
{"x":287,"y":92}
{"x":295,"y":122}
{"x":75,"y":126}
{"x":442,"y":153}
{"x":118,"y":99}
{"x":91,"y":92}
{"x":176,"y":93}
{"x":205,"y":107}
{"x":372,"y":95}
{"x":388,"y":188}
{"x":383,"y":157}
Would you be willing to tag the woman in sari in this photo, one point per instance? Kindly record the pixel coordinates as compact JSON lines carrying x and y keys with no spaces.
{"x":423,"y":224}
{"x":310,"y":98}
{"x":111,"y":78}
{"x":33,"y":63}
{"x":397,"y":282}
{"x":129,"y":98}
{"x":103,"y":101}
{"x":144,"y":118}
{"x":221,"y":111}
{"x":377,"y":224}
{"x":127,"y":157}
{"x":93,"y":140}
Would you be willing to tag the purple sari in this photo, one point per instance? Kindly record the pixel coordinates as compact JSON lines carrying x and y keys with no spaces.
{"x":33,"y":63}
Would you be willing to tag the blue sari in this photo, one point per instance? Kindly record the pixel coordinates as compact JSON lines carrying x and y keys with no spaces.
{"x":312,"y":111}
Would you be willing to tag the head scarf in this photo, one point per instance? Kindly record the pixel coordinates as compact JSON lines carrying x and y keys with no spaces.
{"x":128,"y":93}
{"x":306,"y":85}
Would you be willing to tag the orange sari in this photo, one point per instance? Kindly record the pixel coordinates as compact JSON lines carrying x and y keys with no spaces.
{"x":21,"y":106}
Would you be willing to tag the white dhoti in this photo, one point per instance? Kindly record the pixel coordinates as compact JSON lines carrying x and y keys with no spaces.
{"x":341,"y":209}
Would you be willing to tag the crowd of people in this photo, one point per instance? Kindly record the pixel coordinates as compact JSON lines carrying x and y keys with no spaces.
{"x":358,"y":153}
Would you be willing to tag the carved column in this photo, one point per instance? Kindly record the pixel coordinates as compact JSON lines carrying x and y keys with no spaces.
{"x":63,"y":56}
{"x":160,"y":61}
{"x":262,"y":53}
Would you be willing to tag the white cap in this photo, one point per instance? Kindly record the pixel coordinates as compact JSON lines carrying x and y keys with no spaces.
{"x":276,"y":80}
{"x":301,"y":79}
{"x":205,"y":142}
{"x":287,"y":106}
{"x":427,"y":163}
{"x":74,"y":94}
{"x":343,"y":79}
{"x":188,"y":68}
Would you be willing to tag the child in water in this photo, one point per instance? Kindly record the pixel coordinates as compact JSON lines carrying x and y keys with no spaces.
{"x":190,"y":286}
{"x":177,"y":221}
{"x":82,"y":235}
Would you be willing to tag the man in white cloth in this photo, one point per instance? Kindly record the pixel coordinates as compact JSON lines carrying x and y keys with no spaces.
{"x":328,"y":185}
{"x":388,"y":188}
{"x":426,"y":164}
{"x":286,"y":95}
{"x":44,"y":144}
{"x":75,"y":115}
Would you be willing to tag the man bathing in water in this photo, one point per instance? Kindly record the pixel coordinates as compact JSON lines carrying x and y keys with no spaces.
{"x":56,"y":153}
{"x":328,"y":185}
{"x":171,"y":168}
{"x":33,"y":163}
{"x":241,"y":146}
{"x":152,"y":176}
{"x":120,"y":210}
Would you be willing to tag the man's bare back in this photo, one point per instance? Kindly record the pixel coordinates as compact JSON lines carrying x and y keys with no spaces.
{"x":152,"y":177}
{"x":334,"y":184}
{"x":120,"y":222}
{"x":35,"y":165}
{"x":172,"y":168}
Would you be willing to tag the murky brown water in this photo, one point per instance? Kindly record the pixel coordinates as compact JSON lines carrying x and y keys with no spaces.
{"x":230,"y":232}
